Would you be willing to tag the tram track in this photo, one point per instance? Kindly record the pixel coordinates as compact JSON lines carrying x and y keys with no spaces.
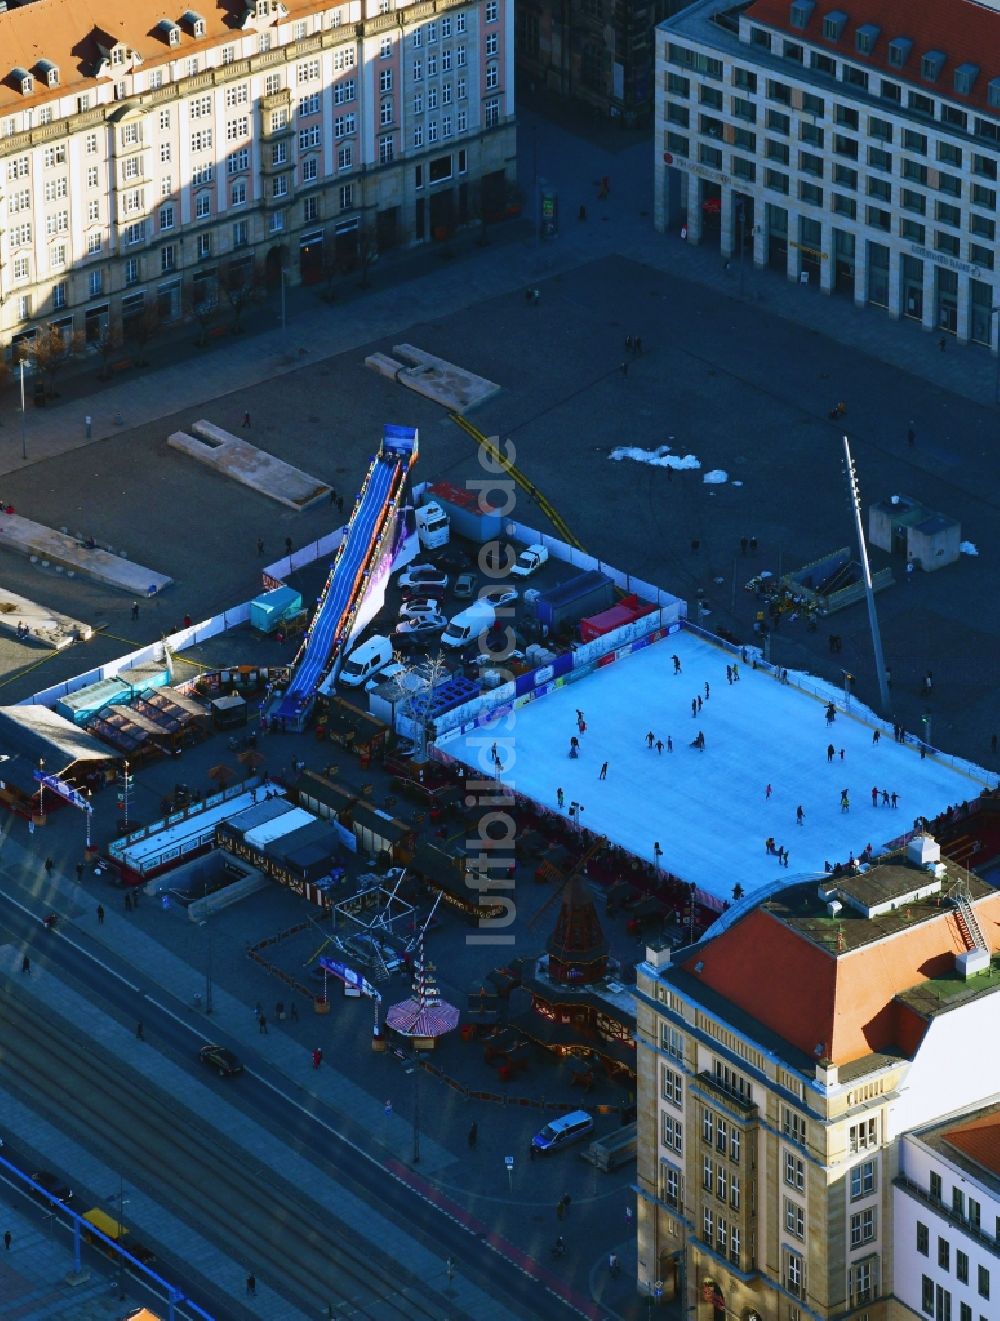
{"x":217,"y":1186}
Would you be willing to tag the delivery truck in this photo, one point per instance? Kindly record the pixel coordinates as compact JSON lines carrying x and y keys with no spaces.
{"x":584,"y":594}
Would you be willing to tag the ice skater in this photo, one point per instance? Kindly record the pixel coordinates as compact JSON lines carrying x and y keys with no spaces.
{"x":560,"y":797}
{"x":831,"y":713}
{"x":604,"y":771}
{"x":784,"y":858}
{"x":670,"y":744}
{"x":894,"y":798}
{"x":699,"y":741}
{"x":845,"y":801}
{"x":659,"y":746}
{"x":876,"y":735}
{"x":574,"y":746}
{"x":736,"y":673}
{"x":677,"y":664}
{"x":875,"y":796}
{"x":650,"y":739}
{"x":767,"y":792}
{"x":694,"y":708}
{"x":729,"y":674}
{"x":580,"y":722}
{"x":830,"y":750}
{"x":885,"y":796}
{"x":698,"y":700}
{"x":708,"y":692}
{"x":800,"y":815}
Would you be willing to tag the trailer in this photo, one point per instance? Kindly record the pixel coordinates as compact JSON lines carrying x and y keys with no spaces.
{"x":584,"y":594}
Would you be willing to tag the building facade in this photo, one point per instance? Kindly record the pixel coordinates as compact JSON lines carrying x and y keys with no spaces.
{"x":946,"y":1218}
{"x":858,"y":152}
{"x":778,"y":1062}
{"x":155,"y":167}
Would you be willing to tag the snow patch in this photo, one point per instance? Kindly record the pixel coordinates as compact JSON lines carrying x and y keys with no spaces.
{"x":716,"y":477}
{"x":658,"y":458}
{"x":967,"y":548}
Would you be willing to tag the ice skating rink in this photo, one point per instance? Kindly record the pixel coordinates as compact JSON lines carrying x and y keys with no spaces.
{"x":708,"y":809}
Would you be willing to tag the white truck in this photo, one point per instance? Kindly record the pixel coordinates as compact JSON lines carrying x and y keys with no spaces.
{"x":433,"y":526}
{"x":529,"y":561}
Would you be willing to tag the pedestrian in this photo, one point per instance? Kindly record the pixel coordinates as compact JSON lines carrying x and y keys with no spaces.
{"x":744,"y":545}
{"x":604,"y":771}
{"x":845,"y":801}
{"x":624,"y":369}
{"x":767,"y":792}
{"x":79,"y":872}
{"x":187,"y":621}
{"x":49,"y":864}
{"x":708,"y":692}
{"x":677,"y":664}
{"x":894,"y":798}
{"x":800,"y":815}
{"x":340,"y":504}
{"x":293,"y":1012}
{"x":909,"y":571}
{"x":473,"y":1133}
{"x":993,"y":744}
{"x":246,"y":419}
{"x":135,"y":610}
{"x":139,"y":1031}
{"x":288,"y":545}
{"x":251,"y":1278}
{"x":941,"y":343}
{"x":729,"y":674}
{"x":841,"y":754}
{"x":874,"y":796}
{"x":830,"y":750}
{"x":876,"y":735}
{"x":885,"y":797}
{"x":698,"y":700}
{"x":650,"y":739}
{"x":911,"y":435}
{"x":560,"y":797}
{"x":659,"y":747}
{"x":928,"y":682}
{"x":262,"y":1025}
{"x":784,"y":859}
{"x":628,"y":343}
{"x":638,"y":346}
{"x":736,"y":673}
{"x":31,"y":826}
{"x":888,"y":677}
{"x":128,"y":901}
{"x":753,"y":545}
{"x":260,"y":545}
{"x":566,"y":1202}
{"x":831,"y":713}
{"x":694,"y":709}
{"x":26,"y":966}
{"x":317,"y":1057}
{"x":6,"y":1240}
{"x":100,"y":915}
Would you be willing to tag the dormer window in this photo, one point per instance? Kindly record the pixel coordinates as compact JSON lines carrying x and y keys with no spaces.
{"x":993,"y":93}
{"x":195,"y":22}
{"x":964,"y":78}
{"x":899,"y":51}
{"x":931,"y":65}
{"x":833,"y":24}
{"x":802,"y":11}
{"x":168,"y":32}
{"x":118,"y":55}
{"x":24,"y":80}
{"x":50,"y":72}
{"x":865,"y":38}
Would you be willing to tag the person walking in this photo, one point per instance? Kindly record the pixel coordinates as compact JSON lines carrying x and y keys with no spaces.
{"x":604,"y":771}
{"x":251,"y":1278}
{"x":293,"y":1012}
{"x":79,"y":872}
{"x":677,"y":664}
{"x":262,"y":1025}
{"x":6,"y":1240}
{"x":49,"y":865}
{"x":135,"y":610}
{"x":911,"y":435}
{"x":317,"y":1057}
{"x":288,"y":545}
{"x":100,"y":915}
{"x":767,"y":792}
{"x":473,"y":1133}
{"x":140,"y":1031}
{"x":560,"y":797}
{"x":26,"y":966}
{"x":260,"y":545}
{"x":246,"y":420}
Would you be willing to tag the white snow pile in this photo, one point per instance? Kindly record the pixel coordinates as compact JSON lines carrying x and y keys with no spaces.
{"x":716,"y":477}
{"x":967,"y":548}
{"x":658,"y":458}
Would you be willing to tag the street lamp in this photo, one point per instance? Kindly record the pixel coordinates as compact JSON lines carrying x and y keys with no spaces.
{"x":24,"y":442}
{"x":740,"y":216}
{"x":994,"y":311}
{"x":208,"y":965}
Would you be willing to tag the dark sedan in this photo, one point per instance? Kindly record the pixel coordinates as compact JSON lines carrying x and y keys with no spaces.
{"x":223,"y":1061}
{"x":53,"y":1185}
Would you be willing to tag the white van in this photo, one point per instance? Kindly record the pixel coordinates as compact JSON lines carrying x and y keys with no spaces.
{"x":365,"y":661}
{"x":468,"y":625}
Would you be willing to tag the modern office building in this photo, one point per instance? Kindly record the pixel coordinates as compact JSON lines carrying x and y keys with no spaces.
{"x":853,"y":150}
{"x":155,"y":161}
{"x":946,"y":1217}
{"x":780,"y":1059}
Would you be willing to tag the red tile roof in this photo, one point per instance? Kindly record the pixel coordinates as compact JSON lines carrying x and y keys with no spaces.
{"x":843,"y":1002}
{"x":979,"y":1139}
{"x":966,"y":33}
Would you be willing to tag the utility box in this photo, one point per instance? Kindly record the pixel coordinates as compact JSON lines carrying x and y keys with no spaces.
{"x":905,"y":528}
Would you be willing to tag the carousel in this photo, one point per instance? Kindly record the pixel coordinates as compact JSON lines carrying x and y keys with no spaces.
{"x":423,"y":1018}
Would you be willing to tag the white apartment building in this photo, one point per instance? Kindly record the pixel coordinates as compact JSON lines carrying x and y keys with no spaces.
{"x":854,"y":148}
{"x":154,"y":160}
{"x":946,"y":1218}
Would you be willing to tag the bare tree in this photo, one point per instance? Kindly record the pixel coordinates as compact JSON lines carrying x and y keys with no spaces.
{"x":242,"y":285}
{"x":205,"y":313}
{"x":51,"y":351}
{"x":144,"y":329}
{"x":108,"y":345}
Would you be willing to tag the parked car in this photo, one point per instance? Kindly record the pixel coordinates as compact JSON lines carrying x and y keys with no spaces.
{"x":499,"y":596}
{"x":416,"y":632}
{"x":453,"y":559}
{"x":422,"y":577}
{"x":465,"y":587}
{"x":225,"y":1062}
{"x":417,"y":607}
{"x":563,"y":1132}
{"x":529,"y":561}
{"x":393,"y":671}
{"x":53,"y":1185}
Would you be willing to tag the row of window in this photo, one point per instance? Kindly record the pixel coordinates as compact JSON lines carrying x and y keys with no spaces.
{"x":720,"y":1233}
{"x":944,"y":1259}
{"x":717,"y":1177}
{"x":935,"y":1301}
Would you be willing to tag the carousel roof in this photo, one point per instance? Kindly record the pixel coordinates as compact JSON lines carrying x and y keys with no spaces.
{"x":411,"y":1018}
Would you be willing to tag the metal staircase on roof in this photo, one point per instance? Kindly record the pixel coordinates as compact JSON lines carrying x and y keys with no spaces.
{"x":968,"y":924}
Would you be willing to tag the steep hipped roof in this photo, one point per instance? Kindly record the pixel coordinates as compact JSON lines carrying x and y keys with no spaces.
{"x":830,"y":1003}
{"x":964,"y":32}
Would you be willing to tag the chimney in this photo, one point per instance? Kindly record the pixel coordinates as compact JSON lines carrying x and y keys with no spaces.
{"x":923,"y":850}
